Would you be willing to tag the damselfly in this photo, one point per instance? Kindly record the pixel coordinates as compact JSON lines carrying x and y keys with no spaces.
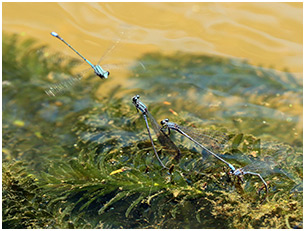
{"x":164,"y":140}
{"x":237,"y":172}
{"x":98,"y":70}
{"x":170,"y":125}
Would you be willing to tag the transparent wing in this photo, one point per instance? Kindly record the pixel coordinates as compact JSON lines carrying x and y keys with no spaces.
{"x":212,"y":140}
{"x":56,"y":89}
{"x":264,"y":167}
{"x":121,"y":66}
{"x":112,"y":47}
{"x":163,"y":138}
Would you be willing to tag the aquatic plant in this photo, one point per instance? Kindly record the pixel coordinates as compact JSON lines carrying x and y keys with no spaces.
{"x":90,"y":164}
{"x":225,"y":91}
{"x":23,"y":203}
{"x":31,"y":119}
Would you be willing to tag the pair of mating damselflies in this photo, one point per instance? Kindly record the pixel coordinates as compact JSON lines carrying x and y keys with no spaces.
{"x":98,"y":70}
{"x":165,"y":140}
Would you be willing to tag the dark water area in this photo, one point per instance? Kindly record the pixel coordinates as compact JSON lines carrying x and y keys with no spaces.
{"x":83,"y":159}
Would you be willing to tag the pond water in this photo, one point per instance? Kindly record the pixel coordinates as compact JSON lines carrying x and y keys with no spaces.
{"x":230,"y":70}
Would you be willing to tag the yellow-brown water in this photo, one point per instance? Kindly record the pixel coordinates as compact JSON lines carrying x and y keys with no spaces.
{"x":268,"y":34}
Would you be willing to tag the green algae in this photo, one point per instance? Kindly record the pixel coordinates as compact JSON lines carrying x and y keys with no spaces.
{"x":89,"y":163}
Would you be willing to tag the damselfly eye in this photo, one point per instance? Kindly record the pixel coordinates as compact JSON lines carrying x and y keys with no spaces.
{"x":135,"y":99}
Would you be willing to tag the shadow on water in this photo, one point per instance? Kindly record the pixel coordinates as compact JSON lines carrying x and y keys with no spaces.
{"x":80,"y":161}
{"x":229,"y":92}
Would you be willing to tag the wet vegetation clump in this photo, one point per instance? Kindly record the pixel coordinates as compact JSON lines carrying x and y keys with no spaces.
{"x":84,"y":160}
{"x":24,"y":204}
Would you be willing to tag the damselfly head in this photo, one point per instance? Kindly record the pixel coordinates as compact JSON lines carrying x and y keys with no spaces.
{"x":164,"y":122}
{"x":103,"y":75}
{"x":135,"y":99}
{"x":100,"y":72}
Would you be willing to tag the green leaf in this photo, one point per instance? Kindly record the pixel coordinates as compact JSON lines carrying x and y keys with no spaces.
{"x":95,"y":196}
{"x":117,"y":197}
{"x":133,"y":204}
{"x":257,"y":146}
{"x":237,"y":140}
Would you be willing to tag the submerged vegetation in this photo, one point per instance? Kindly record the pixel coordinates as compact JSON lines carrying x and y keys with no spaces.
{"x":80,"y":160}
